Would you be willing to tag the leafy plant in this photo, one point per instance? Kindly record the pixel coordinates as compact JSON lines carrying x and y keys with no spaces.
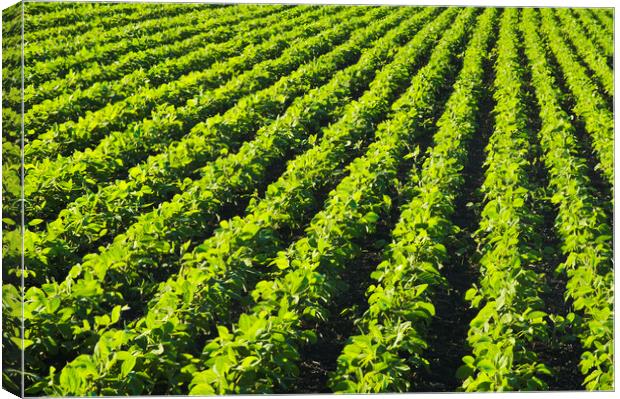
{"x":582,"y":225}
{"x":392,"y":340}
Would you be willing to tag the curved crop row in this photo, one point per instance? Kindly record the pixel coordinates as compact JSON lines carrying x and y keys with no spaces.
{"x":582,"y":226}
{"x":111,"y":22}
{"x":163,"y":65}
{"x":159,"y":56}
{"x":38,"y":8}
{"x":31,"y":21}
{"x":400,"y":304}
{"x":141,"y":254}
{"x":260,"y":353}
{"x":117,"y":205}
{"x":63,"y":17}
{"x":605,"y":17}
{"x":75,"y":135}
{"x":586,"y":50}
{"x":511,"y":312}
{"x":598,"y":35}
{"x":171,"y":320}
{"x":54,"y":47}
{"x":51,"y":184}
{"x":589,"y":104}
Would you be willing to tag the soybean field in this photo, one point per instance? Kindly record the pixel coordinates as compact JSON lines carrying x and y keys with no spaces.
{"x":249,"y":199}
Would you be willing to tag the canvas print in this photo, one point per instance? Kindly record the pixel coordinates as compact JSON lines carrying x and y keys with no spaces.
{"x":206,"y":199}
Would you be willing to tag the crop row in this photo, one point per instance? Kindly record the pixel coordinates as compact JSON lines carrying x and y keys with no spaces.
{"x":37,"y":8}
{"x":117,"y":206}
{"x":392,"y":339}
{"x":53,"y":47}
{"x":262,"y":153}
{"x":146,"y":53}
{"x":42,"y":22}
{"x":511,"y":312}
{"x":52,"y":347}
{"x":581,"y":224}
{"x":69,"y":15}
{"x":84,"y":67}
{"x":605,"y":16}
{"x":110,"y":22}
{"x":589,"y":104}
{"x":38,"y":254}
{"x":195,"y":225}
{"x":70,"y":106}
{"x":260,"y":353}
{"x":223,"y":181}
{"x":11,"y":128}
{"x":158,"y":65}
{"x":603,"y":40}
{"x":228,"y":81}
{"x":11,"y":217}
{"x":586,"y":50}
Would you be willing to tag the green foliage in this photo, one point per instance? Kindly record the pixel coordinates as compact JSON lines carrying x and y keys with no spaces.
{"x":202,"y":181}
{"x":115,"y":207}
{"x":94,"y":87}
{"x":508,"y":294}
{"x":589,"y":104}
{"x":603,"y":39}
{"x":581,"y":224}
{"x":392,"y":342}
{"x":247,"y":232}
{"x":101,"y":280}
{"x":53,"y":45}
{"x":312,"y":265}
{"x":174,"y":108}
{"x":587,"y":50}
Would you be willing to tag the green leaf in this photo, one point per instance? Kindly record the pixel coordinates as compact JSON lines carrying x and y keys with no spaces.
{"x":116,"y":314}
{"x":102,"y":321}
{"x":8,"y":221}
{"x":309,"y":336}
{"x":371,"y":217}
{"x":202,"y":389}
{"x":470,"y":294}
{"x":486,"y":365}
{"x":281,"y":262}
{"x":18,"y":341}
{"x":69,"y":379}
{"x":248,"y":361}
{"x":463,"y":372}
{"x":127,"y":366}
{"x":387,"y":200}
{"x":429,"y":307}
{"x":536,"y":315}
